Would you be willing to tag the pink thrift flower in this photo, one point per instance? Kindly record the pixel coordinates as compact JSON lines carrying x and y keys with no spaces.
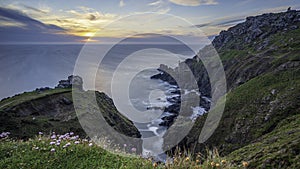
{"x":133,"y":149}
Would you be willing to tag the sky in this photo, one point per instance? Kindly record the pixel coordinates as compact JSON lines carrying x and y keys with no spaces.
{"x":83,"y":20}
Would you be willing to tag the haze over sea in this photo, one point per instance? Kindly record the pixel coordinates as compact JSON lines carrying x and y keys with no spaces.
{"x":27,"y":67}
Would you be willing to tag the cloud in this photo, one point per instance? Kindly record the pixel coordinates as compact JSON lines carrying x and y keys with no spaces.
{"x":194,"y":2}
{"x":203,"y":25}
{"x":35,"y":9}
{"x":222,"y":23}
{"x":159,"y":6}
{"x":122,"y":3}
{"x":156,"y":3}
{"x":230,"y":22}
{"x":15,"y":26}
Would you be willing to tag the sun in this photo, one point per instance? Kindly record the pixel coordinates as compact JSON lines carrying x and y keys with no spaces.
{"x":89,"y":34}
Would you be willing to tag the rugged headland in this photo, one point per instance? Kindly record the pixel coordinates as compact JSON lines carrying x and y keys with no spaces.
{"x":260,"y":123}
{"x":52,"y":110}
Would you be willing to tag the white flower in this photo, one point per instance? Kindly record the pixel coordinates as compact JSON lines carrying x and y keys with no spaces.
{"x":36,"y":148}
{"x":52,"y":150}
{"x":58,"y":144}
{"x":40,"y":133}
{"x":71,"y":133}
{"x":76,"y":142}
{"x":52,"y":142}
{"x":91,"y":144}
{"x":68,"y":144}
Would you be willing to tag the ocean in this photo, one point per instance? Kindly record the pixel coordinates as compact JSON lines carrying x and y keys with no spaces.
{"x":124,"y":73}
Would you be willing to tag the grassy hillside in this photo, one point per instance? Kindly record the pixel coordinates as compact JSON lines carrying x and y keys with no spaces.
{"x":278,"y":149}
{"x":52,"y":110}
{"x":39,"y":153}
{"x":63,"y":151}
{"x":261,"y":58}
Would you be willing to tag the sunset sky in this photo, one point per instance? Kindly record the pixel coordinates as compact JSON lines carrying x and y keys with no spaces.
{"x":76,"y":20}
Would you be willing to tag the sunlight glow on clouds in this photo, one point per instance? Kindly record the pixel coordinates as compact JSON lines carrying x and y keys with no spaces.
{"x":194,"y":2}
{"x":86,"y":18}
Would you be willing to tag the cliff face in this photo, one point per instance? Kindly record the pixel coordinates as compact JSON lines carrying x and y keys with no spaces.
{"x":24,"y":115}
{"x":256,"y":28}
{"x":261,"y":58}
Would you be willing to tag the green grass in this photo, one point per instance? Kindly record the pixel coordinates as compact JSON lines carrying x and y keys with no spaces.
{"x":36,"y":153}
{"x":27,"y":96}
{"x":18,"y":154}
{"x":253,"y":100}
{"x":278,"y":149}
{"x":230,"y":54}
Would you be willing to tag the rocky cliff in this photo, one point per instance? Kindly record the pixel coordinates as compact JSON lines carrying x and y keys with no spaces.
{"x":46,"y":109}
{"x":261,"y":58}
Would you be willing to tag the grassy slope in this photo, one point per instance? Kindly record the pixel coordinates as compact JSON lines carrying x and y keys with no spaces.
{"x":26,"y":114}
{"x":27,"y":126}
{"x":27,"y":96}
{"x":36,"y":154}
{"x":18,"y":154}
{"x":278,"y":149}
{"x":251,"y":112}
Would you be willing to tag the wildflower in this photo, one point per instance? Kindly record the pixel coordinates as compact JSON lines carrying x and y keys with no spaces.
{"x":197,"y":161}
{"x":40,"y":139}
{"x":125,"y":145}
{"x":133,"y":149}
{"x":58,"y":143}
{"x":40,"y":133}
{"x":91,"y":144}
{"x":53,"y":136}
{"x":76,"y":142}
{"x":154,"y":165}
{"x":68,"y":144}
{"x":36,"y":148}
{"x":187,"y":159}
{"x":217,"y":165}
{"x":52,"y":143}
{"x":71,"y":133}
{"x":73,"y":138}
{"x":52,"y":150}
{"x":223,"y":161}
{"x":4,"y":134}
{"x":245,"y":164}
{"x":213,"y":164}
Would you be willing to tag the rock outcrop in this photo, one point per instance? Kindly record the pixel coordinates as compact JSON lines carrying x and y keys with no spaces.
{"x":261,"y":61}
{"x":72,"y":81}
{"x":46,"y":109}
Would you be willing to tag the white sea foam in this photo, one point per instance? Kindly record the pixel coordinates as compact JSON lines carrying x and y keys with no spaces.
{"x":197,"y":111}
